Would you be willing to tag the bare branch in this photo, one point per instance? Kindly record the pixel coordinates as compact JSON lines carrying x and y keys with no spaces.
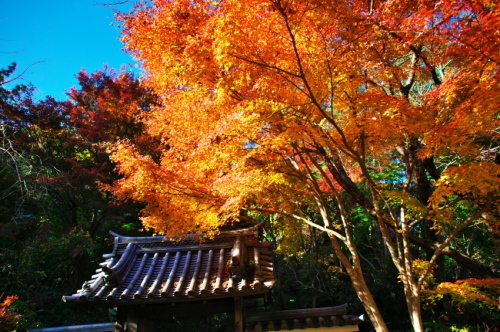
{"x":24,"y":72}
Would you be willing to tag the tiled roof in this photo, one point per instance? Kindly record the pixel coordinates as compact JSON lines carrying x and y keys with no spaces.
{"x":300,"y":319}
{"x":157,"y":269}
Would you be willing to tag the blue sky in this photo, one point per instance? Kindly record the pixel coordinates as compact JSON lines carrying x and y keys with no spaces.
{"x":64,"y":36}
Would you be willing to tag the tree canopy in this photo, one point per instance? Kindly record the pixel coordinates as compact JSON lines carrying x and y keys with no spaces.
{"x":309,"y":109}
{"x":54,"y":214}
{"x":364,"y":132}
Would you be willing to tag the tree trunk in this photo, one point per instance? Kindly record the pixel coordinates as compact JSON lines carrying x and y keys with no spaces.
{"x":361,"y":288}
{"x":368,"y":301}
{"x":413,"y":304}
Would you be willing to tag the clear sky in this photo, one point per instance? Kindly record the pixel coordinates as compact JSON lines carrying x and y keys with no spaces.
{"x":65,"y":36}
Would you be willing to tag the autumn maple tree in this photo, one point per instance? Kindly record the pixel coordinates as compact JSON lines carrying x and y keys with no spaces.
{"x":54,"y":164}
{"x":62,"y":146}
{"x":309,"y":109}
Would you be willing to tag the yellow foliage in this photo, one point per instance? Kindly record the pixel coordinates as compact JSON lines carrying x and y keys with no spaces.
{"x":478,"y":179}
{"x":472,"y":290}
{"x":261,"y":101}
{"x":471,"y":184}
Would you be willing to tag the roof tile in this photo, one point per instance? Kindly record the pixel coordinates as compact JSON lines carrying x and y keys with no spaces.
{"x":192,"y":266}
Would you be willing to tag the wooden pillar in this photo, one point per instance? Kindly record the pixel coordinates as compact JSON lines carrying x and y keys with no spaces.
{"x":132,"y":322}
{"x":238,"y":314}
{"x":120,"y":319}
{"x":138,"y":320}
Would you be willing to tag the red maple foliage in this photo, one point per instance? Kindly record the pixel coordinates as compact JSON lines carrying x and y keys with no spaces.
{"x":8,"y":319}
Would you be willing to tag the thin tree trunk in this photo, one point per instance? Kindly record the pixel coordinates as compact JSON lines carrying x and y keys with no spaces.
{"x":413,"y":304}
{"x":361,"y":288}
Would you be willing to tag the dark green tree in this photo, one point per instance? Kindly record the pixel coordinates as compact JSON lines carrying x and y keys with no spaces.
{"x":56,"y":213}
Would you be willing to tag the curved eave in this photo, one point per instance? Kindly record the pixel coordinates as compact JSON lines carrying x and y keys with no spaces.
{"x":144,"y":271}
{"x":184,"y":298}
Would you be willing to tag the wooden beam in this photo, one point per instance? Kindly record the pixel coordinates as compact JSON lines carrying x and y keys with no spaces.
{"x":238,"y":314}
{"x":298,"y":313}
{"x":188,"y":309}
